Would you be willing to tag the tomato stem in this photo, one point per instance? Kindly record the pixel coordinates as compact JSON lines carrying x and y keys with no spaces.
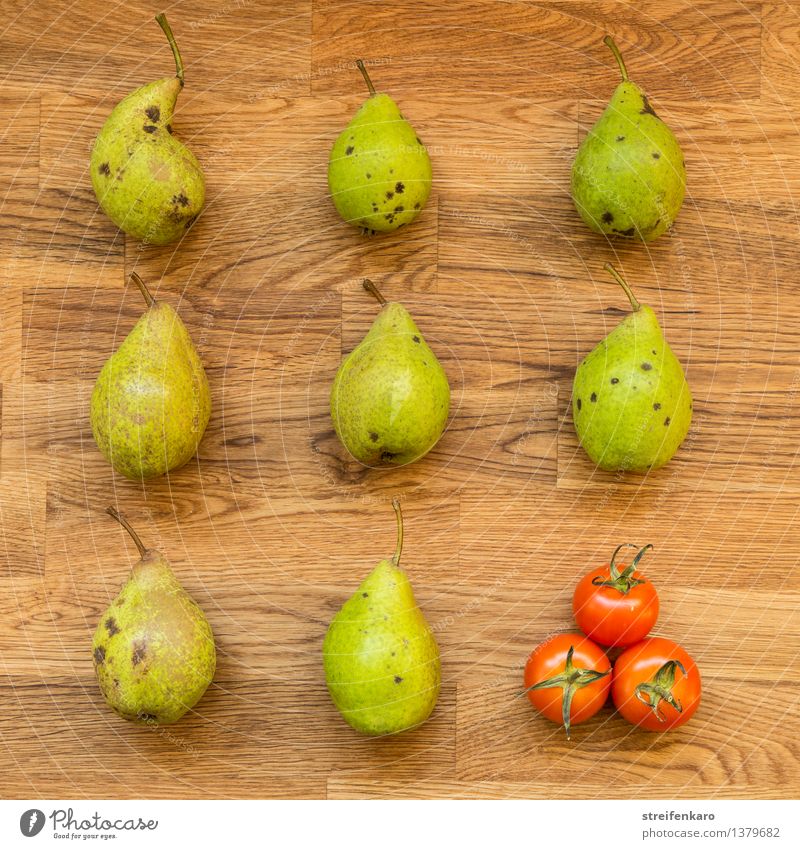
{"x":570,"y":680}
{"x":622,"y":581}
{"x":659,"y":689}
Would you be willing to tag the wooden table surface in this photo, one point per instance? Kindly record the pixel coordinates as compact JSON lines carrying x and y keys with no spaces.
{"x":273,"y":527}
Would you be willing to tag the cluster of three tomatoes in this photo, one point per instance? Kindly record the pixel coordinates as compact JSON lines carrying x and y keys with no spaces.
{"x":654,"y":683}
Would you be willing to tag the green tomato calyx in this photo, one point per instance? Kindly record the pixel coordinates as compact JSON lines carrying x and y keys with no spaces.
{"x":659,"y":689}
{"x":623,"y":581}
{"x":570,"y":680}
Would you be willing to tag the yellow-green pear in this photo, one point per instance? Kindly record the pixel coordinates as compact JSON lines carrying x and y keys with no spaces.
{"x":629,"y":177}
{"x":153,"y":649}
{"x":381,"y":659}
{"x":147,"y":182}
{"x":151,"y":402}
{"x":390,"y":397}
{"x":631,"y":404}
{"x":379,"y":171}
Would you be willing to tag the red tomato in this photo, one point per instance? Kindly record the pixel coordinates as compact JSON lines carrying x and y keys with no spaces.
{"x":656,"y":685}
{"x":567,"y":679}
{"x":616,"y":605}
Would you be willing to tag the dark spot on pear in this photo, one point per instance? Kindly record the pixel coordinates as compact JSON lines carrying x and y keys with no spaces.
{"x":181,"y":199}
{"x":398,"y":208}
{"x":646,"y":366}
{"x":647,"y":109}
{"x":349,"y":149}
{"x":369,"y":176}
{"x":169,"y":128}
{"x":153,"y":113}
{"x":111,"y":626}
{"x":190,"y":222}
{"x":607,"y":217}
{"x":656,"y":406}
{"x":99,"y":655}
{"x":629,"y":232}
{"x":373,"y":436}
{"x":666,"y":421}
{"x":399,"y":188}
{"x":614,"y":380}
{"x":148,"y":717}
{"x":656,"y":155}
{"x":397,"y":679}
{"x":389,"y":195}
{"x":387,"y":456}
{"x":419,"y":140}
{"x":150,"y":128}
{"x":416,"y":205}
{"x":391,"y":170}
{"x":416,"y":339}
{"x":579,"y":403}
{"x":620,"y":138}
{"x":593,"y":397}
{"x":105,"y":169}
{"x":139,"y":650}
{"x":116,"y":682}
{"x":364,"y":595}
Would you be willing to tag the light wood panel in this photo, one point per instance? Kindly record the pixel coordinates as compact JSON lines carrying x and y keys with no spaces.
{"x":273,"y":525}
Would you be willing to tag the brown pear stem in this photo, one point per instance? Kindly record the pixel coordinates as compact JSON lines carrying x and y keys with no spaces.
{"x":621,"y":280}
{"x":112,"y":511}
{"x":610,"y":43}
{"x":164,"y":24}
{"x":374,"y":291}
{"x":367,"y":80}
{"x":149,"y":299}
{"x":399,"y":549}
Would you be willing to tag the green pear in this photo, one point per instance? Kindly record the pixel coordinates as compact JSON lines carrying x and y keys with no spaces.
{"x":151,"y":402}
{"x":631,"y":404}
{"x":390,"y":397}
{"x":380,"y":656}
{"x":147,"y":182}
{"x":153,"y":649}
{"x":629,"y":177}
{"x":379,"y":171}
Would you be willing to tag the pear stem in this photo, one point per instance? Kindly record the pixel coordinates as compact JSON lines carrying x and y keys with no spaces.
{"x":611,"y":44}
{"x":367,"y":80}
{"x":621,"y":280}
{"x":112,"y":511}
{"x":164,"y":24}
{"x":374,"y":291}
{"x":149,"y":299}
{"x":399,"y":549}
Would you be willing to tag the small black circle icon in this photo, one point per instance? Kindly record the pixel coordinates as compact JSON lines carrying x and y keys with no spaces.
{"x":31,"y":822}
